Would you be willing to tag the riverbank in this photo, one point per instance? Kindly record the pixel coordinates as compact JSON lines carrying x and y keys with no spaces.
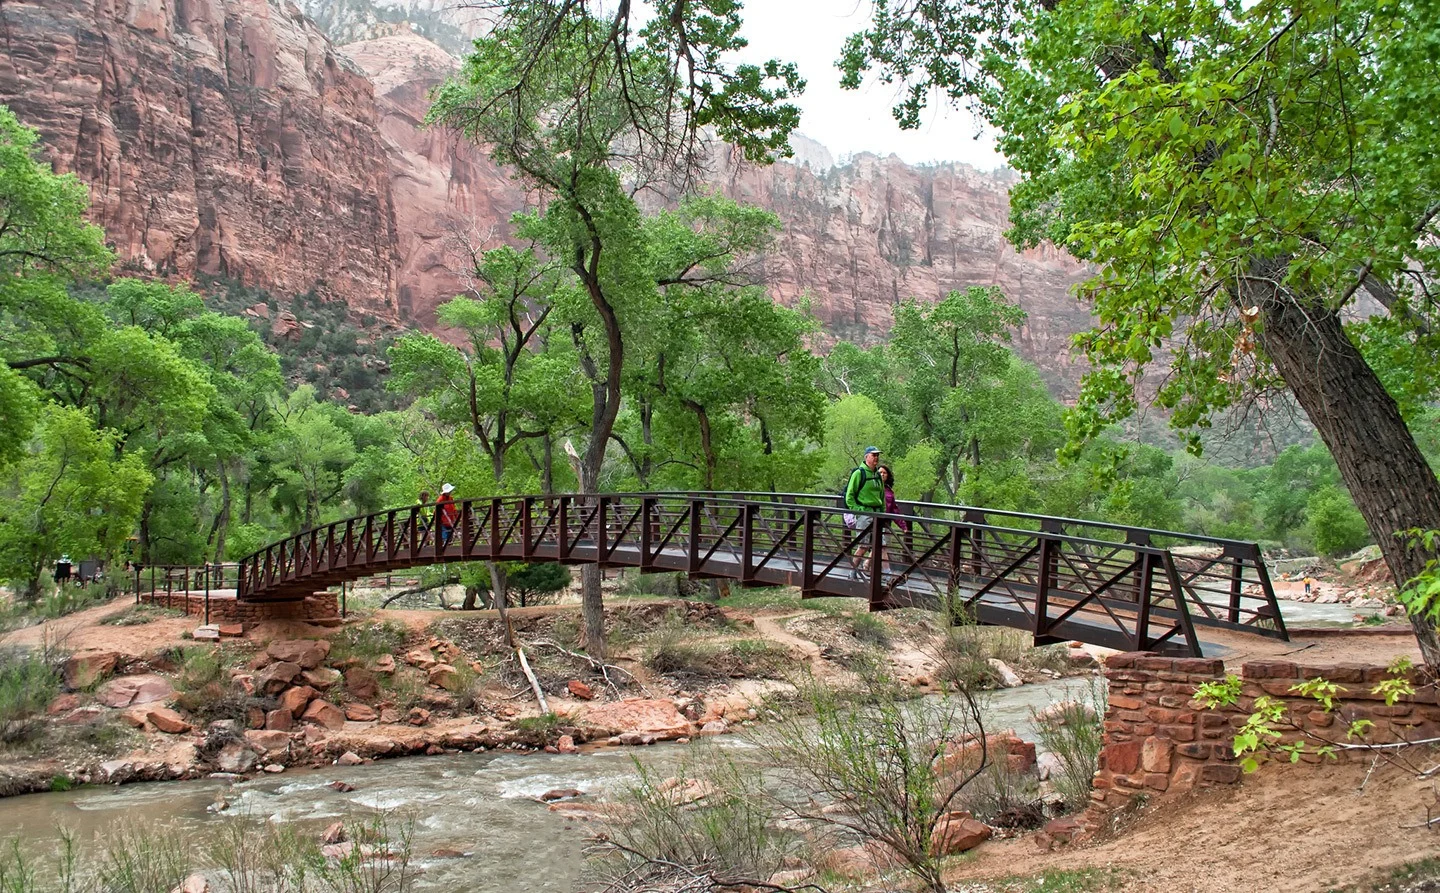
{"x":144,"y":701}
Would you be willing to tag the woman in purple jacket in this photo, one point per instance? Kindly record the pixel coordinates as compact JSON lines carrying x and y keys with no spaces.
{"x":887,"y":477}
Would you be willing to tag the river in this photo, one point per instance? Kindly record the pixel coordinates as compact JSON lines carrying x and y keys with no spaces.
{"x":481,"y":804}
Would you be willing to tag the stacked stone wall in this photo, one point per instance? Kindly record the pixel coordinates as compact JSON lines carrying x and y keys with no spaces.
{"x":1160,"y":741}
{"x":320,"y":608}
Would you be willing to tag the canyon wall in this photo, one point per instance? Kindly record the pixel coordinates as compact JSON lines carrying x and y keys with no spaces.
{"x":219,"y":137}
{"x":230,"y":138}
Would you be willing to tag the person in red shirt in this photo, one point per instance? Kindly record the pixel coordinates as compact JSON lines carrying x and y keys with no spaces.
{"x":447,"y":513}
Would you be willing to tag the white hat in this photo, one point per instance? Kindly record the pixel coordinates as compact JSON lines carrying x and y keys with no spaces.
{"x":447,"y":488}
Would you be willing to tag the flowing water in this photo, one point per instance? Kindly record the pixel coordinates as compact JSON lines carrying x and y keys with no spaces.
{"x":484,"y":805}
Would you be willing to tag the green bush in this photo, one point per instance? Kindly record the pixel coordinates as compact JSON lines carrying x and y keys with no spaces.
{"x":1335,"y":524}
{"x":869,"y":629}
{"x":367,"y":641}
{"x":1073,"y":733}
{"x":28,"y":681}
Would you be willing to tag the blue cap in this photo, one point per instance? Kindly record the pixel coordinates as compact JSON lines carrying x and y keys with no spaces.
{"x":869,"y":450}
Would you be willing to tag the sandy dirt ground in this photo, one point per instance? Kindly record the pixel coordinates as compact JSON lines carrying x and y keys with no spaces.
{"x":1285,"y":828}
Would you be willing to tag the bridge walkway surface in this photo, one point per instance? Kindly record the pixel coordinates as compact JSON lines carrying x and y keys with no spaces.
{"x":1058,"y":578}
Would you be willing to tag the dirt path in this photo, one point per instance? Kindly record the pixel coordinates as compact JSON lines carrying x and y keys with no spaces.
{"x":1286,"y":828}
{"x":84,"y":631}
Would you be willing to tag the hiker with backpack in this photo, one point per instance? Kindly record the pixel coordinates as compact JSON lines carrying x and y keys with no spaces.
{"x":864,"y":494}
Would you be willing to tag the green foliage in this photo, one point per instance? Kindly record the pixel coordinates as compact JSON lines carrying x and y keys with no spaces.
{"x":366,"y":641}
{"x":71,"y":493}
{"x":1421,"y":595}
{"x":1075,"y":734}
{"x":28,"y":681}
{"x":871,"y":764}
{"x":1270,"y":732}
{"x":728,"y":834}
{"x":851,"y":424}
{"x":530,"y":584}
{"x":870,"y":629}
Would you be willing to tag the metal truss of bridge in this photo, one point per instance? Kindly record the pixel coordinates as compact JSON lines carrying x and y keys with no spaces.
{"x":1061,"y":579}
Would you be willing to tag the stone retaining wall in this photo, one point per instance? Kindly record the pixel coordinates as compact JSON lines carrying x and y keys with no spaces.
{"x":1158,"y":740}
{"x":320,"y":608}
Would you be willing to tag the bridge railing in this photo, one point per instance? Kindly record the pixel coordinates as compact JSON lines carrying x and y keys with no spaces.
{"x":1055,"y":579}
{"x":1225,"y":581}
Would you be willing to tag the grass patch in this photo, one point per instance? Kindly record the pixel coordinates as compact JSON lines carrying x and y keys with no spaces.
{"x":139,"y":615}
{"x":28,"y":681}
{"x":870,"y":629}
{"x":764,"y":597}
{"x":1072,"y":880}
{"x":367,"y":641}
{"x":671,"y":654}
{"x":968,"y":649}
{"x":544,"y":724}
{"x":1419,"y":876}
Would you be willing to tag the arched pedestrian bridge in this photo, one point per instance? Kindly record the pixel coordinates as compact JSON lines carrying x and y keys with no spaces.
{"x":1059,"y":578}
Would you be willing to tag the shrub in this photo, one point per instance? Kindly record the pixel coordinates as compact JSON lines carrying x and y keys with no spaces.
{"x":367,"y":641}
{"x":28,"y":681}
{"x":1073,"y":733}
{"x":712,"y":819}
{"x":869,"y":629}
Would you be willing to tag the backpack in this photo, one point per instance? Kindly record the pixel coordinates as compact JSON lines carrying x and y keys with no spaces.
{"x":850,"y":518}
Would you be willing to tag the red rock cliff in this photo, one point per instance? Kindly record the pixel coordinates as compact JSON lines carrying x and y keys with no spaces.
{"x":222,"y":137}
{"x":228,"y":137}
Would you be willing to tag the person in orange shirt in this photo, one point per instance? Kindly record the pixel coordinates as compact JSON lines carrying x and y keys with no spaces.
{"x":448,"y":514}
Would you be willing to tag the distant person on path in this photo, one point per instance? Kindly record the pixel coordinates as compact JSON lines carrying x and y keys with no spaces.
{"x":1309,"y":581}
{"x":62,"y":570}
{"x":423,"y":524}
{"x":448,"y":514}
{"x":864,"y":493}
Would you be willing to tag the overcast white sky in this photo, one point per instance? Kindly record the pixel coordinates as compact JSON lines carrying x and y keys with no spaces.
{"x":810,"y":34}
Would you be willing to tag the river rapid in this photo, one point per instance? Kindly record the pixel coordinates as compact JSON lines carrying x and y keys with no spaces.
{"x":484,"y":805}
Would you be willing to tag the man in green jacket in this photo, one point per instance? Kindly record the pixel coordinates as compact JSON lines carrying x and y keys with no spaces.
{"x":864,"y":493}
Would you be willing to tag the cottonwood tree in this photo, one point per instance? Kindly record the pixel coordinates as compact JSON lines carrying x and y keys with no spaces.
{"x":44,"y":244}
{"x":949,"y":355}
{"x":1243,"y":176}
{"x":577,"y":99}
{"x":73,"y":491}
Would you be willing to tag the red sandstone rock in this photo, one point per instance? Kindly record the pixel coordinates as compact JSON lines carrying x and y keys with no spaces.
{"x":361,"y":684}
{"x":268,"y":742}
{"x":295,"y":699}
{"x":62,"y":704}
{"x":360,"y":713}
{"x":87,"y":668}
{"x":324,"y":713}
{"x":307,"y":654}
{"x":566,"y":744}
{"x":580,"y":690}
{"x":444,"y":676}
{"x":280,"y":720}
{"x":418,"y":716}
{"x":390,"y":715}
{"x":655,"y":717}
{"x":275,"y":677}
{"x":349,"y":758}
{"x":956,"y":832}
{"x":167,"y":720}
{"x":130,"y":690}
{"x":333,"y":833}
{"x":385,"y":663}
{"x":321,"y":678}
{"x":232,"y":630}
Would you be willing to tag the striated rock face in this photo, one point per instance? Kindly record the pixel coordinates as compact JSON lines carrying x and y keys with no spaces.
{"x":222,"y":137}
{"x":228,"y":137}
{"x":450,"y":199}
{"x":859,"y":239}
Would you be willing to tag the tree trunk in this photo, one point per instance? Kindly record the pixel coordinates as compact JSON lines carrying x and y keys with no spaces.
{"x":1388,"y":477}
{"x":499,"y":582}
{"x":222,"y":518}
